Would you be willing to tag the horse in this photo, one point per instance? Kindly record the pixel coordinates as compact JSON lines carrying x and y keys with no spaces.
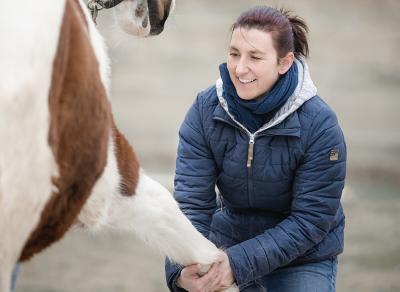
{"x":63,"y":161}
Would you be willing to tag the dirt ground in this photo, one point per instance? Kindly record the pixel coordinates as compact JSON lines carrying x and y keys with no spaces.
{"x":354,"y":63}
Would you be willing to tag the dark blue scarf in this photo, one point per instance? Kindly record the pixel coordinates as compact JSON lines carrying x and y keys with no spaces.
{"x":255,"y":113}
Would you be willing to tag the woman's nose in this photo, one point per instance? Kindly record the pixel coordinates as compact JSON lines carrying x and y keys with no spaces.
{"x":242,"y":67}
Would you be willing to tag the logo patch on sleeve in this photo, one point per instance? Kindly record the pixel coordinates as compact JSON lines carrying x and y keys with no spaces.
{"x":334,"y":155}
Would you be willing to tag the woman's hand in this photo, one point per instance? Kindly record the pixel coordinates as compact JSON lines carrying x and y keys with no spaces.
{"x":219,"y":277}
{"x":226,"y":274}
{"x":192,"y":282}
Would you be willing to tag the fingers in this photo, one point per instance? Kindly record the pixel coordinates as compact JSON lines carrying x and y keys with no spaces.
{"x":191,"y":271}
{"x":215,"y":282}
{"x":189,"y":277}
{"x":211,"y":280}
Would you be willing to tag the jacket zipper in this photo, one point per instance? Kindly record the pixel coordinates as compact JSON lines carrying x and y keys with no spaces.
{"x":250,"y":151}
{"x":250,"y":158}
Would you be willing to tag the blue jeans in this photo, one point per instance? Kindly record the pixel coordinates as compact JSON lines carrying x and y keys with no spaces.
{"x":14,"y":276}
{"x":311,"y":277}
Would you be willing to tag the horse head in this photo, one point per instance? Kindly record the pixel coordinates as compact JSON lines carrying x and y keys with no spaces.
{"x":142,"y":17}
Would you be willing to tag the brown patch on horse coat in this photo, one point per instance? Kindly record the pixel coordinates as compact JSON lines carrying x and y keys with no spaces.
{"x":80,"y":124}
{"x":128,"y":165}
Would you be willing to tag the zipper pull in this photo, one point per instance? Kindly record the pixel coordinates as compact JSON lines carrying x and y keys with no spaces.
{"x":250,"y":151}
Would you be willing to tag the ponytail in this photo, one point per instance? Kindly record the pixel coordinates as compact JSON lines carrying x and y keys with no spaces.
{"x":300,"y":31}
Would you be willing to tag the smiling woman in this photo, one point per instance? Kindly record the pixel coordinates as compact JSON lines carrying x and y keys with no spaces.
{"x":265,"y":139}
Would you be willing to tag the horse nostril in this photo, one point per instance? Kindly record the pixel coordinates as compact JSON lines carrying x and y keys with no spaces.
{"x":145,"y":21}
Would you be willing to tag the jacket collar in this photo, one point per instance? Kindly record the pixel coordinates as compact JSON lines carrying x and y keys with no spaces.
{"x":289,"y":127}
{"x":286,"y":120}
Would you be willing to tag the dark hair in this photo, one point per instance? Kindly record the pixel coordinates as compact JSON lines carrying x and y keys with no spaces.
{"x":288,"y":31}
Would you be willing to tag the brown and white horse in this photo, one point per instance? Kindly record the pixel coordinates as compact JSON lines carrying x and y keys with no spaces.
{"x":62,"y":159}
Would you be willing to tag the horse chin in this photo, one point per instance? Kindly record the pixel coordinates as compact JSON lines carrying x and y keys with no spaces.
{"x":133,"y":17}
{"x":135,"y":30}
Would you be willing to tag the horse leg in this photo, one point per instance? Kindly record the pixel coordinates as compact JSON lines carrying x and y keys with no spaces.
{"x":154,"y":215}
{"x":143,"y":206}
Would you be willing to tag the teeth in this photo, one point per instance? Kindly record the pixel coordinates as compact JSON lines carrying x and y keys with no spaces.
{"x":246,"y":80}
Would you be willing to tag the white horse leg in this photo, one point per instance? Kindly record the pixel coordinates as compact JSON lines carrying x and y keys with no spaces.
{"x":155,"y":216}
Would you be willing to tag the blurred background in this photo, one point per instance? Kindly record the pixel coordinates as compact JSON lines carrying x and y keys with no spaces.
{"x":354,"y":63}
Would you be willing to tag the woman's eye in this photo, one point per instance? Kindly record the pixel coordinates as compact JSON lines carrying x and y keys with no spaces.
{"x":255,"y":58}
{"x":233,"y":54}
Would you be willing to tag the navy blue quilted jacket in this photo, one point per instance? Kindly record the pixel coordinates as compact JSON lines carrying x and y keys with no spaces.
{"x":279,"y":188}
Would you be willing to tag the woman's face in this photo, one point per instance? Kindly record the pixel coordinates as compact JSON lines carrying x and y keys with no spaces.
{"x":253,"y":62}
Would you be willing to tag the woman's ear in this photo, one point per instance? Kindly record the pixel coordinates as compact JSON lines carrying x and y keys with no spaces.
{"x":285,"y":63}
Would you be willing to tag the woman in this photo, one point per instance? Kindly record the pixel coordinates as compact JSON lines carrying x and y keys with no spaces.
{"x":277,"y":155}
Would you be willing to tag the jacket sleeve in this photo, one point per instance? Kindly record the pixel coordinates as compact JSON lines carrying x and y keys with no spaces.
{"x":317,"y":189}
{"x":195,"y":178}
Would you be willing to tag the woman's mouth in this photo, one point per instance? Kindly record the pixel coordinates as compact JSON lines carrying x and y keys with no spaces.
{"x":246,"y":81}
